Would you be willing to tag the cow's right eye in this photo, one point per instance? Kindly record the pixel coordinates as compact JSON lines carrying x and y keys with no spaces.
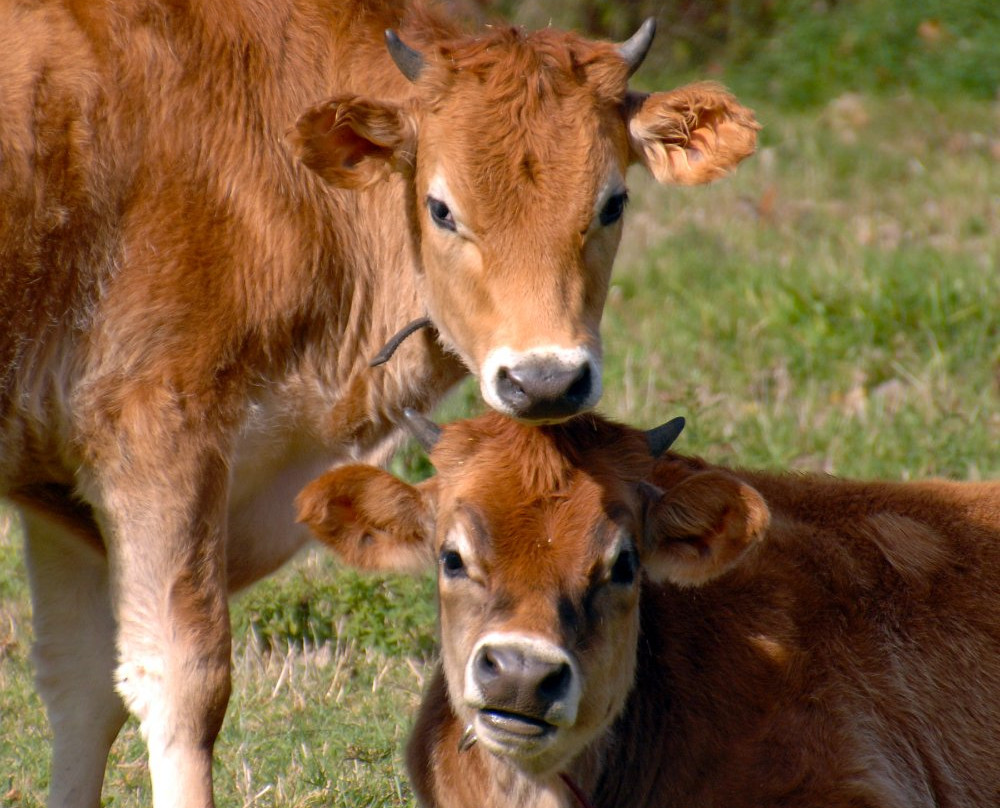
{"x":440,"y":214}
{"x":451,"y":564}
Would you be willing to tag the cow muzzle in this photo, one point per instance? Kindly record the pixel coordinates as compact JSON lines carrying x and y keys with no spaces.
{"x":543,"y":385}
{"x":523,"y":690}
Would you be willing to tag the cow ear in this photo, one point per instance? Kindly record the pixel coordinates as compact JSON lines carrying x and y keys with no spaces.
{"x":352,"y":142}
{"x":701,"y":527}
{"x":690,"y":135}
{"x":369,"y":518}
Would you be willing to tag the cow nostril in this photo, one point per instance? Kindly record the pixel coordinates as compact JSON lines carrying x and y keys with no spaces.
{"x":509,"y":383}
{"x":554,"y":686}
{"x":537,"y":389}
{"x":579,"y":390}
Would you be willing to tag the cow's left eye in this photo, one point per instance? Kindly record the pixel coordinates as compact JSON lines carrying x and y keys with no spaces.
{"x":625,"y":567}
{"x":613,"y":209}
{"x":441,"y":214}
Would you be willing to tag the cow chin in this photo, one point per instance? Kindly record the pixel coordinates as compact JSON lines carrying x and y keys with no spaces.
{"x":543,"y":385}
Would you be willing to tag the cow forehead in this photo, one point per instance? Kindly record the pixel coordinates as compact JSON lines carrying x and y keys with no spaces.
{"x":553,"y":170}
{"x":522,"y":117}
{"x":507,"y":66}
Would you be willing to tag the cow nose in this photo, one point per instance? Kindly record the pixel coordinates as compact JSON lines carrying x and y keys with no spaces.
{"x":542,"y":390}
{"x":517,"y":681}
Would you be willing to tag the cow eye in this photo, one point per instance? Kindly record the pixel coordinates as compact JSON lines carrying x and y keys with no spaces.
{"x":451,"y":564}
{"x":613,"y":209}
{"x":440,"y":214}
{"x":625,"y":566}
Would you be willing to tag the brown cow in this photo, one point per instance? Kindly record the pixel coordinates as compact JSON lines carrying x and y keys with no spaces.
{"x":669,"y":633}
{"x":190,"y":297}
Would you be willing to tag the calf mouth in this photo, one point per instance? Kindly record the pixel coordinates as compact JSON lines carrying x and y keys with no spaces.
{"x":515,"y":724}
{"x":513,"y":734}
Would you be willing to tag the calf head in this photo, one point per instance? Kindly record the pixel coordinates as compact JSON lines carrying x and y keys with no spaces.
{"x":542,"y":537}
{"x":514,"y":149}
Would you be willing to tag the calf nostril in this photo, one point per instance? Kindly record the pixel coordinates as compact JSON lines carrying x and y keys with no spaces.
{"x":556,"y":684}
{"x":487,"y":665}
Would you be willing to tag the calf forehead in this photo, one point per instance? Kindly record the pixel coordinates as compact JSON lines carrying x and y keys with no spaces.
{"x":541,"y":516}
{"x":550,"y":544}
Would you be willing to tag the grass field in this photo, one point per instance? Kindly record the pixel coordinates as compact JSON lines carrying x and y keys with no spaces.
{"x":833,"y":306}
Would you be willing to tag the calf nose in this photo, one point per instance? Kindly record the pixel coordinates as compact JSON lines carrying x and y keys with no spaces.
{"x":512,"y":679}
{"x":545,"y":389}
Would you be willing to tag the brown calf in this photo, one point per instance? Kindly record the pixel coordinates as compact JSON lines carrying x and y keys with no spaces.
{"x":668,"y":633}
{"x":198,"y":258}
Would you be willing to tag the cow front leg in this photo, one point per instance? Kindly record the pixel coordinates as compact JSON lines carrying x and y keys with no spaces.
{"x":73,"y":654}
{"x":166,"y":538}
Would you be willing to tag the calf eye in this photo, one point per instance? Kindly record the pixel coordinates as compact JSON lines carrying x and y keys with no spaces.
{"x":452,"y":565}
{"x":440,"y":214}
{"x":613,"y":209}
{"x":625,"y":566}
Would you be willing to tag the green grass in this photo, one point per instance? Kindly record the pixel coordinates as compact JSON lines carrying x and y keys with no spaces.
{"x":832,"y":306}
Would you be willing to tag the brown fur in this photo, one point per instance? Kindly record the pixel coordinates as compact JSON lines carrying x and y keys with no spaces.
{"x":213,"y":214}
{"x":794,"y":641}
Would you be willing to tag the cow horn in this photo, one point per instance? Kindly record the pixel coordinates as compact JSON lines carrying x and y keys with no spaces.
{"x":634,"y":49}
{"x":396,"y":340}
{"x":662,"y":437}
{"x":422,"y":428}
{"x":409,"y":61}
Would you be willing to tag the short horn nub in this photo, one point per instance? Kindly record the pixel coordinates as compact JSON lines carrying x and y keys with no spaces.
{"x":409,"y":61}
{"x":662,"y":437}
{"x":634,"y":49}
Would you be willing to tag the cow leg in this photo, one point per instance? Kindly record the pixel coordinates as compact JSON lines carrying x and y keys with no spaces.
{"x":74,"y":656}
{"x":167,"y":556}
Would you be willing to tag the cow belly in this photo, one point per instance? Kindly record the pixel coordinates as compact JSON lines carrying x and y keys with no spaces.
{"x":263,"y":533}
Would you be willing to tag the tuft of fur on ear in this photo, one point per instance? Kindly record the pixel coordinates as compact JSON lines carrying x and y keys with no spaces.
{"x":369,"y":518}
{"x":353,"y":142}
{"x":701,"y":528}
{"x":691,"y":135}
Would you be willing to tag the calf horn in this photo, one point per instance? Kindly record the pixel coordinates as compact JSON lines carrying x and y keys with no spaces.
{"x":409,"y":61}
{"x":422,"y":428}
{"x":662,"y":437}
{"x":634,"y":49}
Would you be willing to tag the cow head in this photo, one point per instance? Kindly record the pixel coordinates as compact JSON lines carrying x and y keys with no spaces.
{"x":514,"y":148}
{"x":542,"y":537}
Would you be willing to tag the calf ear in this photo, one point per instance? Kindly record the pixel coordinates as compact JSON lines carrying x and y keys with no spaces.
{"x":369,"y":518}
{"x":691,"y":135}
{"x":352,"y":142}
{"x":701,"y":527}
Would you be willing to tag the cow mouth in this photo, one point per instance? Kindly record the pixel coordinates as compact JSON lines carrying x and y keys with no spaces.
{"x":516,"y":727}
